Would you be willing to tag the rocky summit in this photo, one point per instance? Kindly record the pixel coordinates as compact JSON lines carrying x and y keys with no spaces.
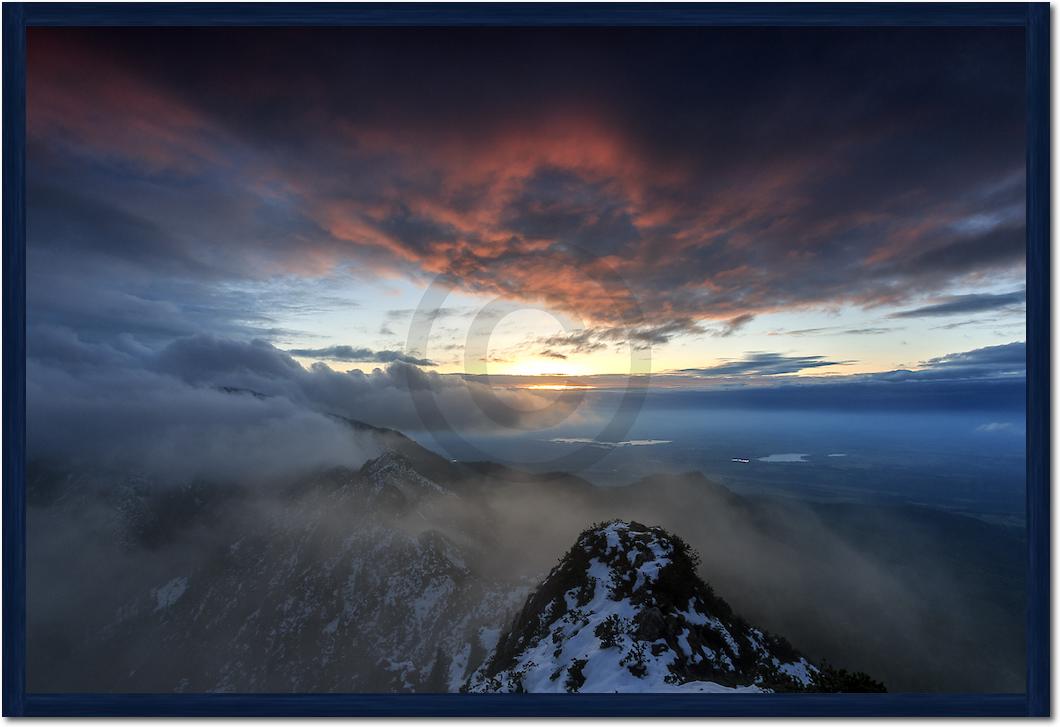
{"x":625,"y":611}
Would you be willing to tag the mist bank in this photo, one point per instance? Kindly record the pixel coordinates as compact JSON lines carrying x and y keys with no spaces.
{"x":169,"y":411}
{"x":921,"y":599}
{"x":154,"y":467}
{"x":216,"y":408}
{"x":884,"y":396}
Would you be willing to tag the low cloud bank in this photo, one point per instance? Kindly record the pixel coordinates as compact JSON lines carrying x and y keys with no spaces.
{"x":208,"y":407}
{"x":359,"y":355}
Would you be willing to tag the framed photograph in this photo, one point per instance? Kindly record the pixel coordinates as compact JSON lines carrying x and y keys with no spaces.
{"x":529,"y":359}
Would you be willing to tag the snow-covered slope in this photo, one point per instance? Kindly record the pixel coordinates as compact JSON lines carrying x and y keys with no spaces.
{"x":393,"y":577}
{"x":624,"y":611}
{"x":347,"y":584}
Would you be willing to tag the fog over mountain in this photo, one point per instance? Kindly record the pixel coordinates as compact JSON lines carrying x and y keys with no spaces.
{"x":203,"y":528}
{"x":168,"y":414}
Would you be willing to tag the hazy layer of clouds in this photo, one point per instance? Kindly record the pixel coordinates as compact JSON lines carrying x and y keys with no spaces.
{"x":204,"y":406}
{"x":833,"y":331}
{"x":1006,"y":361}
{"x":764,"y":364}
{"x":834,"y":579}
{"x":358,"y":355}
{"x":210,"y":407}
{"x":127,"y":410}
{"x":640,"y":337}
{"x":987,"y":378}
{"x":964,"y":304}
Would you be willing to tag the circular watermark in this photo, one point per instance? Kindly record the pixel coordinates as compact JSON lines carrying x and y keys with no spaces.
{"x":488,"y":394}
{"x":611,"y":408}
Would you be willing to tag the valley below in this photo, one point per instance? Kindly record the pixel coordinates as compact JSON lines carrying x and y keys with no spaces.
{"x":416,"y":573}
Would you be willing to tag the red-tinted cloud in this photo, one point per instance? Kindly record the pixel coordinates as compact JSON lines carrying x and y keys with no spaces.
{"x":620,"y":201}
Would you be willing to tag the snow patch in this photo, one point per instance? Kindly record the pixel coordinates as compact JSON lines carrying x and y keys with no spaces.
{"x":171,"y":592}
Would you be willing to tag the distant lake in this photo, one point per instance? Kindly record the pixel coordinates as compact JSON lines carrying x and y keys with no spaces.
{"x":791,"y":457}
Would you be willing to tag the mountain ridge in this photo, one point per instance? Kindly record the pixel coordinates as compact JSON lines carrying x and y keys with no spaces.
{"x":624,"y":610}
{"x":317,"y":567}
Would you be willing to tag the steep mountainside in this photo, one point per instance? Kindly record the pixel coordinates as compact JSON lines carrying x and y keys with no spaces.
{"x":348,"y":584}
{"x":624,"y":611}
{"x":402,"y":575}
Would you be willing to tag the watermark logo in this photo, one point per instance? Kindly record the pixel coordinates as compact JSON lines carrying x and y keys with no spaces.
{"x":606,"y":412}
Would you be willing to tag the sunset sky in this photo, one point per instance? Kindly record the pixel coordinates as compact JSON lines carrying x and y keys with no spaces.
{"x":767,"y":203}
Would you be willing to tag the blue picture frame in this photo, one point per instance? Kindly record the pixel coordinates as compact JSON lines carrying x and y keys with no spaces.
{"x":1033,"y":17}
